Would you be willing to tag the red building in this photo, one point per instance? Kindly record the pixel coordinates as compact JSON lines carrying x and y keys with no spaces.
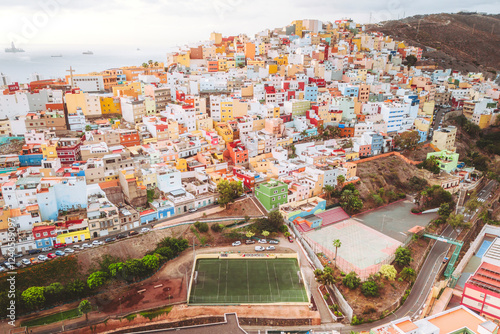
{"x":482,"y":291}
{"x":318,"y":81}
{"x":237,"y":152}
{"x":44,"y":236}
{"x":130,"y":138}
{"x":68,"y":149}
{"x":247,"y":177}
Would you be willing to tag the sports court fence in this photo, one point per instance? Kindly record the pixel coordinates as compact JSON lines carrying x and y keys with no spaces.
{"x":283,"y":297}
{"x":343,"y":304}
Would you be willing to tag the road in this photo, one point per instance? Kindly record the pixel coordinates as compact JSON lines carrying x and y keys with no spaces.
{"x":485,"y":193}
{"x":415,"y":301}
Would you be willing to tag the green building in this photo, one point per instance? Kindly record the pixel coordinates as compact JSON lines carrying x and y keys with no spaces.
{"x":447,"y":160}
{"x":272,"y":194}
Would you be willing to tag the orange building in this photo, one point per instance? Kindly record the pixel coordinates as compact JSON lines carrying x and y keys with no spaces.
{"x":129,"y":138}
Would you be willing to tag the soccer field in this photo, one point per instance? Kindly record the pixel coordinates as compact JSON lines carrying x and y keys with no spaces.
{"x":247,"y":281}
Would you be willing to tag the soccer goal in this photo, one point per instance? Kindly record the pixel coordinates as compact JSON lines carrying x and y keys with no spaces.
{"x":300,"y":277}
{"x":195,"y":278}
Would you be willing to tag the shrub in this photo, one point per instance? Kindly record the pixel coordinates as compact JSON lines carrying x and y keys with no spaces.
{"x":403,"y":256}
{"x":356,"y":321}
{"x":217,"y":227}
{"x":351,"y":280}
{"x":370,"y":289}
{"x":202,"y":227}
{"x":388,"y":271}
{"x":408,"y":274}
{"x":97,"y":279}
{"x":369,"y":308}
{"x":283,"y":228}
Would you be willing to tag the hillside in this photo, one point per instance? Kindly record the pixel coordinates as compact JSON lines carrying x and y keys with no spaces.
{"x":462,"y":41}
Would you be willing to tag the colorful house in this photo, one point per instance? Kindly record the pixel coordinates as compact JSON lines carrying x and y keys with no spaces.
{"x":272,"y":194}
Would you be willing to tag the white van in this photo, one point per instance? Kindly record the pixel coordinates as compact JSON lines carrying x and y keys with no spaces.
{"x":259,"y":248}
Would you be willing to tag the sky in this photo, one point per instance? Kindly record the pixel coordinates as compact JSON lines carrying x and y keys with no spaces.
{"x":168,"y":23}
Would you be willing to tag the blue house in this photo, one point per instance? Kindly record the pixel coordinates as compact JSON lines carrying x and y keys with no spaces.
{"x":27,"y":160}
{"x":311,"y":93}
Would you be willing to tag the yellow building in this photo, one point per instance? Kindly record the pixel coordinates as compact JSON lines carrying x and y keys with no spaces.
{"x":282,"y":60}
{"x":49,"y":149}
{"x":352,"y":156}
{"x":299,"y":26}
{"x":483,"y":120}
{"x":226,"y":110}
{"x":216,"y":37}
{"x":224,"y":131}
{"x":444,"y":139}
{"x":132,"y":89}
{"x":5,"y":129}
{"x":110,"y":105}
{"x":259,"y":63}
{"x":222,"y":65}
{"x":181,"y":165}
{"x":73,"y":237}
{"x":273,"y":68}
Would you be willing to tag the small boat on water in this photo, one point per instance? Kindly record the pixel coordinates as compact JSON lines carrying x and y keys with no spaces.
{"x":88,"y":52}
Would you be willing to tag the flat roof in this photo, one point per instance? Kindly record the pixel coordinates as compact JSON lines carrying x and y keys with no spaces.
{"x":456,"y":319}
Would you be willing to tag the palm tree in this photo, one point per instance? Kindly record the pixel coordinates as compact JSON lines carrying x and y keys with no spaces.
{"x":150,"y":62}
{"x":328,"y":190}
{"x":156,"y":63}
{"x":144,"y":65}
{"x":340,"y":181}
{"x":336,"y":243}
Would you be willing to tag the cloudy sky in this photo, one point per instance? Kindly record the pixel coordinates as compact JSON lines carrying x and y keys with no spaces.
{"x":151,"y":23}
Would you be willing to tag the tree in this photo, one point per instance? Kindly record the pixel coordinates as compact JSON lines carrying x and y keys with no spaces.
{"x":336,"y":243}
{"x":407,"y":140}
{"x":324,"y":276}
{"x":351,"y":280}
{"x":472,"y":204}
{"x":370,"y":289}
{"x":145,"y":65}
{"x":340,"y":181}
{"x":303,"y":133}
{"x":350,"y":201}
{"x":444,"y":210}
{"x":88,"y":127}
{"x":229,"y":191}
{"x":85,"y":307}
{"x":76,"y":288}
{"x":265,"y":233}
{"x":408,"y":274}
{"x":166,"y":252}
{"x":430,"y":164}
{"x":328,"y":189}
{"x":272,"y":223}
{"x":54,"y":292}
{"x":388,"y":271}
{"x":249,"y":234}
{"x":34,"y":297}
{"x":411,"y":60}
{"x":97,"y":279}
{"x":456,"y":221}
{"x":115,"y":269}
{"x":403,"y":256}
{"x":135,"y":268}
{"x":151,"y":262}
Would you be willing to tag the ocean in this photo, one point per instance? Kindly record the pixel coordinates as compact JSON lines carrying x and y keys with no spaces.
{"x":19,"y":67}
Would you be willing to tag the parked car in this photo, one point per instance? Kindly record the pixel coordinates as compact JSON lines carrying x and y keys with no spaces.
{"x":26,"y":262}
{"x":33,"y":260}
{"x":51,"y":255}
{"x":18,"y":255}
{"x":58,"y":246}
{"x":145,"y":230}
{"x":236,"y":243}
{"x":262,"y":241}
{"x":8,"y":265}
{"x":121,"y":236}
{"x":97,"y":243}
{"x":249,"y":242}
{"x":19,"y":264}
{"x":109,"y":240}
{"x":2,"y":269}
{"x":86,"y":245}
{"x":42,"y":258}
{"x":445,"y":260}
{"x":131,"y":233}
{"x":46,"y":249}
{"x":34,"y":251}
{"x":269,"y":248}
{"x":77,"y":247}
{"x":60,"y":253}
{"x":193,"y":210}
{"x":69,"y":250}
{"x":274,"y":242}
{"x":290,"y":238}
{"x":259,"y":248}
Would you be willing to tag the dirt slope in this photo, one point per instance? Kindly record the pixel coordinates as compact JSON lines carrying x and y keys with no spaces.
{"x":462,"y":41}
